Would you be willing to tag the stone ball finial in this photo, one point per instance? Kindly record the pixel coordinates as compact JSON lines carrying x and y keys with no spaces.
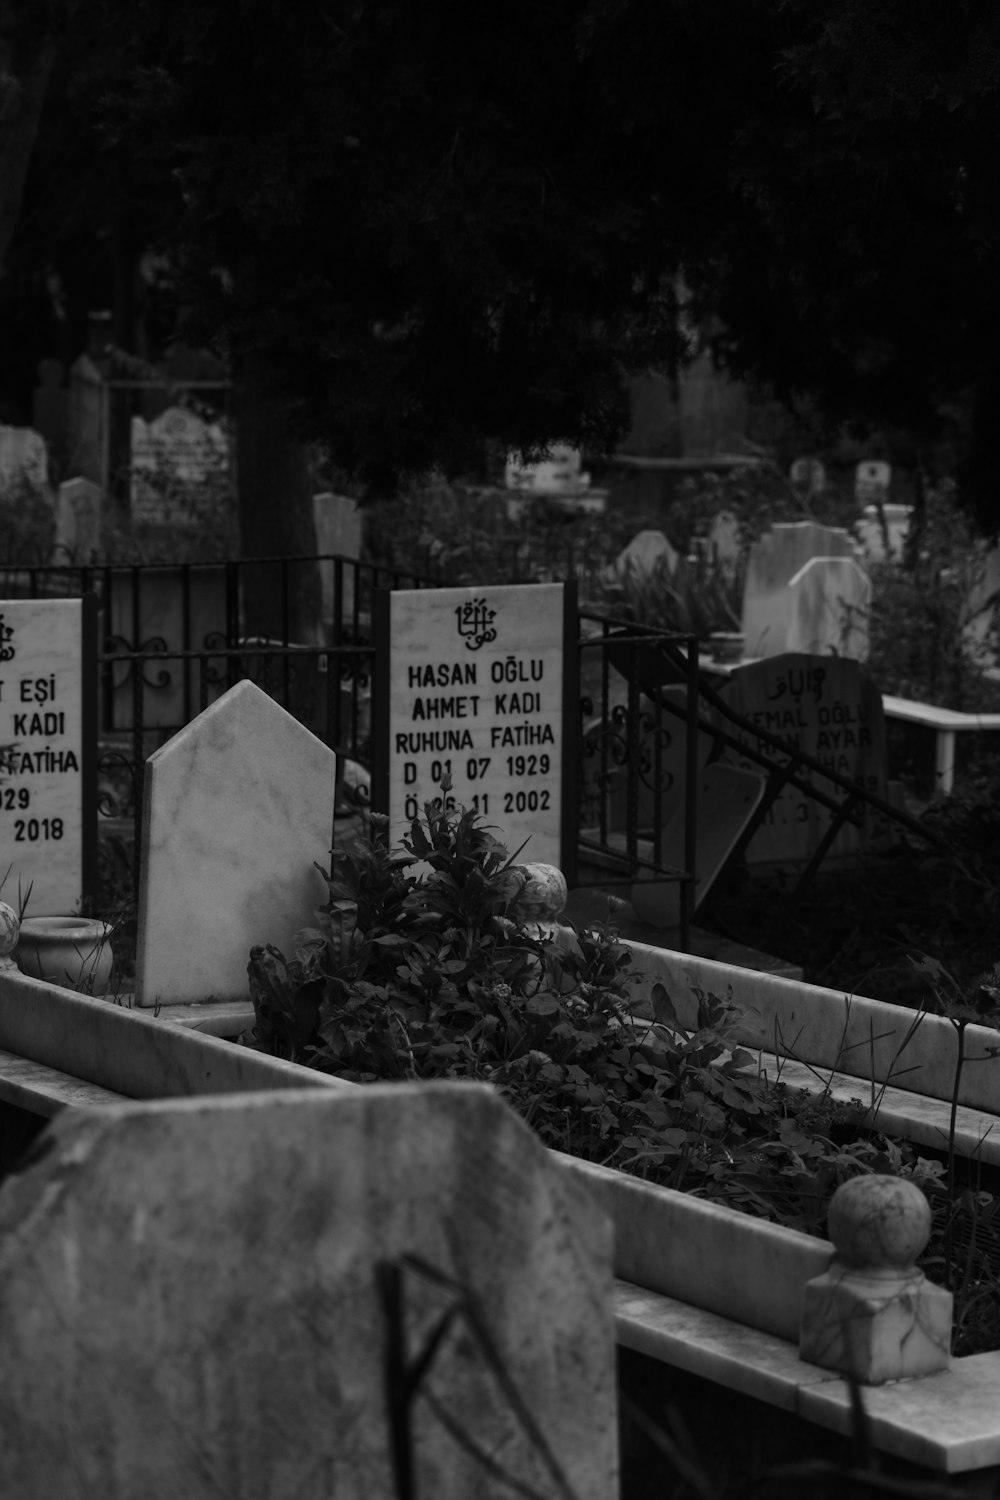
{"x":879,"y":1222}
{"x":10,"y":930}
{"x":544,"y":895}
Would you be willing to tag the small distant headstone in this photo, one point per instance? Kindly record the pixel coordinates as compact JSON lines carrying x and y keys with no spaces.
{"x":561,"y":472}
{"x":338,"y":533}
{"x":774,"y":559}
{"x":50,"y":409}
{"x":808,"y":476}
{"x":177,"y":448}
{"x":725,"y":542}
{"x":48,"y":752}
{"x":829,"y":605}
{"x":879,"y":543}
{"x":237,"y":810}
{"x":78,"y":522}
{"x":872,"y":478}
{"x":827,"y":707}
{"x":647,"y":553}
{"x":24,"y":461}
{"x":354,"y":1292}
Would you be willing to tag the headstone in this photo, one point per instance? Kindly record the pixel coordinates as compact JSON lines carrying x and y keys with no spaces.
{"x":24,"y":462}
{"x":48,"y":753}
{"x":872,"y":536}
{"x":178,"y":448}
{"x":338,"y":533}
{"x":472,"y":688}
{"x":237,"y":810}
{"x":561,"y":472}
{"x":774,"y":559}
{"x":648,"y":553}
{"x":829,"y":607}
{"x":827,"y":707}
{"x":235,"y":1296}
{"x":728,"y":797}
{"x":725,"y":542}
{"x":78,"y":522}
{"x":872,"y":478}
{"x":807,"y":476}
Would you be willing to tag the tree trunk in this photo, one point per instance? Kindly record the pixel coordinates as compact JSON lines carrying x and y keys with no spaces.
{"x":22,"y":94}
{"x":280,"y":601}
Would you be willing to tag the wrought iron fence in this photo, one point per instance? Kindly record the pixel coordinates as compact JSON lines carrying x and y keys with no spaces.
{"x":174,"y":638}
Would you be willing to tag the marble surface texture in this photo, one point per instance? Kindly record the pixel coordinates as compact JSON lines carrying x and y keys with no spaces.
{"x":876,"y":1327}
{"x":774,"y":559}
{"x":829,"y":600}
{"x":275,"y":1284}
{"x":238,"y":809}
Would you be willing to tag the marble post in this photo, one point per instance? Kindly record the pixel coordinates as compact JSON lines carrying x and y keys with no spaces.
{"x":873,"y":1314}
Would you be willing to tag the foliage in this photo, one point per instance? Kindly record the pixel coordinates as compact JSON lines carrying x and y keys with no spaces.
{"x":437,"y":976}
{"x":27,"y":526}
{"x":920,"y":618}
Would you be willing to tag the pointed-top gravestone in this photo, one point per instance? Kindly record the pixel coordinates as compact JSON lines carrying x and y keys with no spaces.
{"x":362,"y":1293}
{"x":774,"y":560}
{"x":237,"y":808}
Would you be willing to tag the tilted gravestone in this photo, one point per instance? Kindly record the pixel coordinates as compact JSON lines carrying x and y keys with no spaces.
{"x":774,"y":560}
{"x":829,"y":604}
{"x":237,"y":811}
{"x":827,"y":707}
{"x":233,"y":1296}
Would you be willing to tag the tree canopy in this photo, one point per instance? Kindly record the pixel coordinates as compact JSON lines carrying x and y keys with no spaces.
{"x":434,"y":226}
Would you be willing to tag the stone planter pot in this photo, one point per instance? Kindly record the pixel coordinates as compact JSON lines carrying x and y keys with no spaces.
{"x":72,"y":952}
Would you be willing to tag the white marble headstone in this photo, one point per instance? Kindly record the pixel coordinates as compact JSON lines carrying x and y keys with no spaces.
{"x":225,"y":1297}
{"x":774,"y":559}
{"x":78,"y":522}
{"x":177,"y":447}
{"x":23,"y":460}
{"x":829,"y":605}
{"x":237,"y":807}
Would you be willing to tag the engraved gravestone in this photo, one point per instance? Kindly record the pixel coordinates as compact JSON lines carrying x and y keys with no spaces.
{"x":773,"y":561}
{"x":178,"y":450}
{"x":827,"y":707}
{"x":237,"y":812}
{"x":829,"y":604}
{"x":48,"y":752}
{"x":472,"y":688}
{"x":358,"y":1293}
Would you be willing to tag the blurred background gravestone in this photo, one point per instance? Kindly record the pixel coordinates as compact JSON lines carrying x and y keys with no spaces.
{"x":232,"y":1296}
{"x":829,"y":603}
{"x":872,"y":478}
{"x":828,"y":707}
{"x":338,"y":532}
{"x":774,"y":559}
{"x":78,"y":522}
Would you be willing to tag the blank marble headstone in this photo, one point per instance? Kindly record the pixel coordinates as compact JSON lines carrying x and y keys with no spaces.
{"x":215,"y":1297}
{"x":338,"y":532}
{"x":237,"y":807}
{"x":829,"y":604}
{"x":78,"y":521}
{"x":828,"y":707}
{"x":774,"y":559}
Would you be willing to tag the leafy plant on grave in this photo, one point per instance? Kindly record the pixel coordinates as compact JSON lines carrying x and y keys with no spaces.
{"x":416,"y":975}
